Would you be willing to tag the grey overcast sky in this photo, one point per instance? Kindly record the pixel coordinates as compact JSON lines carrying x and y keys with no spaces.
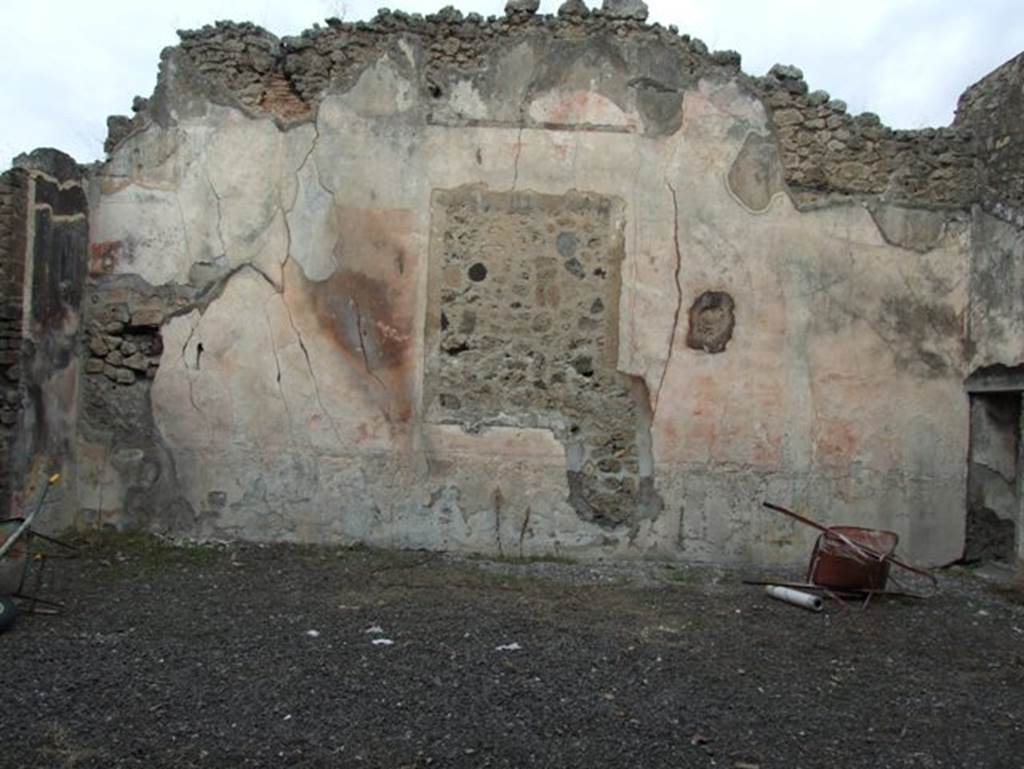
{"x":66,"y":64}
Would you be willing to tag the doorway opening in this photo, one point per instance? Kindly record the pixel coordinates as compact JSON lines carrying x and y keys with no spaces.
{"x":994,"y":477}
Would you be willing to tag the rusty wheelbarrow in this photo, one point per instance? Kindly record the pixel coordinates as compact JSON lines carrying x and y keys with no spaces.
{"x":850,"y":561}
{"x":19,"y":557}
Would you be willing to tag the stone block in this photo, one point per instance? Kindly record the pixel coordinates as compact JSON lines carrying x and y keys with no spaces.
{"x":98,"y":347}
{"x":625,"y":9}
{"x":138,"y":362}
{"x":148,"y":316}
{"x":521,"y":6}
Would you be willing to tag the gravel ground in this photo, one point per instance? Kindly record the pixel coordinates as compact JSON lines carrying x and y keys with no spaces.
{"x":306,"y":657}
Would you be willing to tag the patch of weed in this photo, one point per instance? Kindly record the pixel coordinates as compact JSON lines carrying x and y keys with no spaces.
{"x":521,"y":560}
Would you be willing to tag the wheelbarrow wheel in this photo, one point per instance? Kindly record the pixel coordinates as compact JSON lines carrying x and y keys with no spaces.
{"x":8,"y":612}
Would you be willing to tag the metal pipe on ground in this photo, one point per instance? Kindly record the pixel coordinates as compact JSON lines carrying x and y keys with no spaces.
{"x":795,"y":597}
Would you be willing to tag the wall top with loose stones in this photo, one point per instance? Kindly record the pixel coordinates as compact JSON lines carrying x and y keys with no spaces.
{"x":825,"y":152}
{"x":993,"y":109}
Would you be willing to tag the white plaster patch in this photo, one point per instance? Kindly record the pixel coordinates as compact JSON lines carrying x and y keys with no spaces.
{"x":731,"y":100}
{"x":151,"y":157}
{"x":370,"y":164}
{"x":380,"y":91}
{"x":465,"y":101}
{"x":245,"y":166}
{"x":149,"y":224}
{"x":580,"y":108}
{"x":313,"y":238}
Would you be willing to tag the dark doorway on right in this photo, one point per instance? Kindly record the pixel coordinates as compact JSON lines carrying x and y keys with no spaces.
{"x":993,"y":477}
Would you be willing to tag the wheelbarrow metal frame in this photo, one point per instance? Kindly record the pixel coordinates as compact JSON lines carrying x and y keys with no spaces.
{"x":17,"y":553}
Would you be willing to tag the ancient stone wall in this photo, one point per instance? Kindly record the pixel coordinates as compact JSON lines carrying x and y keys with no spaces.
{"x":994,"y":483}
{"x":45,"y":219}
{"x":13,"y":206}
{"x":827,"y":152}
{"x":991,"y":110}
{"x":526,"y":285}
{"x":822,"y":150}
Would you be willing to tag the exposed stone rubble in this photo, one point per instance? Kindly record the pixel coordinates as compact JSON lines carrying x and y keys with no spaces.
{"x":239,"y":58}
{"x":826,"y":151}
{"x":536,"y":342}
{"x":288,"y":77}
{"x":625,"y":9}
{"x":572,"y":8}
{"x":13,"y":205}
{"x":43,"y":243}
{"x":521,"y":6}
{"x":123,"y":345}
{"x":991,"y":109}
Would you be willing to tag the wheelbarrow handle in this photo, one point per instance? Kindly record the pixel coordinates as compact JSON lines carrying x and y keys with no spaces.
{"x":26,"y":522}
{"x":791,"y":514}
{"x":914,"y":569}
{"x":864,"y":552}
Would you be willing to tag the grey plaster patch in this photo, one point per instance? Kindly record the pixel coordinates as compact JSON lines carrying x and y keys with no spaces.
{"x":755,"y":177}
{"x":917,"y":229}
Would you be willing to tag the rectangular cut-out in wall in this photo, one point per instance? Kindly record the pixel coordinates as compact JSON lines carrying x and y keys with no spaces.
{"x":522,"y":330}
{"x":993,"y":476}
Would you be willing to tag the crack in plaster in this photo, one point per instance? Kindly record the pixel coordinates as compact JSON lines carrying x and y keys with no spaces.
{"x":679,"y":290}
{"x":519,"y":149}
{"x":281,"y":289}
{"x":312,"y":373}
{"x":362,"y":350}
{"x":188,"y":369}
{"x":277,"y":364}
{"x":498,"y":499}
{"x":216,"y":289}
{"x":220,"y":213}
{"x":184,"y":228}
{"x":523,"y":529}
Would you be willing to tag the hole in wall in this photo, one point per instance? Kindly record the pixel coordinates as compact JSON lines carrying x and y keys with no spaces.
{"x":712,"y":318}
{"x":456,"y":349}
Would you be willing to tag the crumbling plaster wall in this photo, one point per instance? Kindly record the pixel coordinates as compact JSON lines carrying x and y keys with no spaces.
{"x":280,"y":216}
{"x":993,"y":482}
{"x":13,"y":209}
{"x":44,"y":238}
{"x":990,"y":111}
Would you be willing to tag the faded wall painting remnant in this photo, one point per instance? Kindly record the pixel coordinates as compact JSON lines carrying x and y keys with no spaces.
{"x":523,"y":285}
